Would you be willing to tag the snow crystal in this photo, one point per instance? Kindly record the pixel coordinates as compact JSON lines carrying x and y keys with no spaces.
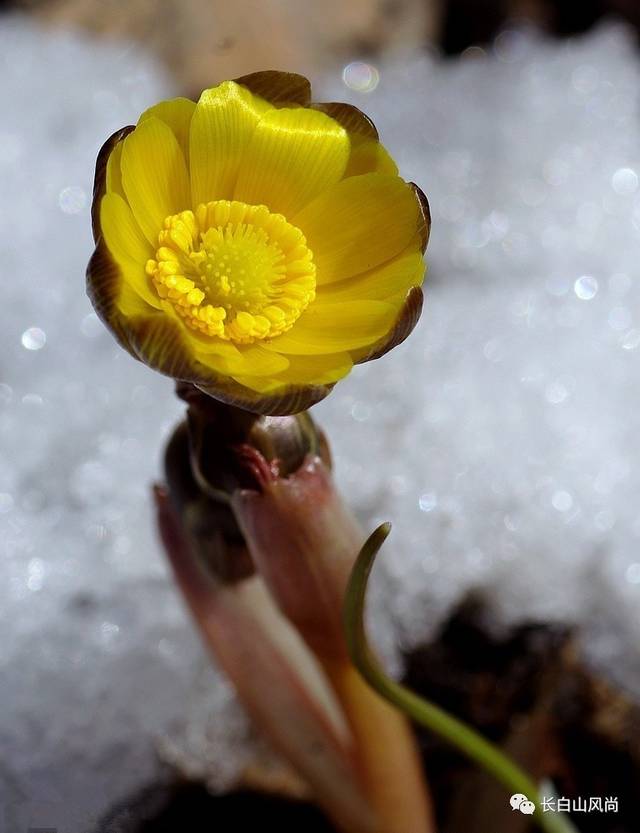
{"x":499,"y":439}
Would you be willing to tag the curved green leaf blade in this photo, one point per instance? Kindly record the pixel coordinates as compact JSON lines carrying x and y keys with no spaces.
{"x":458,"y":734}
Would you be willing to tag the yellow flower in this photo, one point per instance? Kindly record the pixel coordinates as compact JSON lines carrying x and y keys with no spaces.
{"x":255,"y":244}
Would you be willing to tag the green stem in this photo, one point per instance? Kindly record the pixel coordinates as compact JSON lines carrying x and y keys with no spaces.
{"x":467,"y":740}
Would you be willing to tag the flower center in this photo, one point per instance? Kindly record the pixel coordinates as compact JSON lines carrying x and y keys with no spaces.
{"x":233,"y":270}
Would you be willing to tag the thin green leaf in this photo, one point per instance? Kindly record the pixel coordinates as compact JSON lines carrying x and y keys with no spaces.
{"x":458,"y":734}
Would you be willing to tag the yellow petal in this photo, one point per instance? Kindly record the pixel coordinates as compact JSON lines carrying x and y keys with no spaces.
{"x":114,"y":171}
{"x":335,"y":328}
{"x":130,"y":303}
{"x":395,"y":277}
{"x":317,"y":370}
{"x":294,"y":155}
{"x":369,"y":156}
{"x":154,"y":175}
{"x":127,"y":245}
{"x":260,"y":384}
{"x":177,"y":114}
{"x":303,"y":370}
{"x":163,"y":341}
{"x":221,"y":128}
{"x":359,"y":224}
{"x":224,"y":357}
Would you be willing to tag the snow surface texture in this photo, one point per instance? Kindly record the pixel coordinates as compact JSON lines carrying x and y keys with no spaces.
{"x":499,"y":438}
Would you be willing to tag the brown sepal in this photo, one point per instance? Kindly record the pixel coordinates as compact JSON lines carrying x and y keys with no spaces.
{"x":142,"y":336}
{"x":102,"y":287}
{"x":99,"y":180}
{"x":425,"y":225}
{"x":158,"y":336}
{"x":405,"y":322}
{"x":279,"y":88}
{"x":291,"y":400}
{"x":353,"y":120}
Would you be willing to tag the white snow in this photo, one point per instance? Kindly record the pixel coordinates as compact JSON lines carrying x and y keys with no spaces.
{"x":508,"y":422}
{"x":97,"y":654}
{"x":500,"y":439}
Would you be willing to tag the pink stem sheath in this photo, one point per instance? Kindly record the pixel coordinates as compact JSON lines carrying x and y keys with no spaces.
{"x":304,"y":542}
{"x":278,"y":680}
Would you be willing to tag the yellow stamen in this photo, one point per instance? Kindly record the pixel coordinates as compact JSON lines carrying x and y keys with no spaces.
{"x":234,"y":271}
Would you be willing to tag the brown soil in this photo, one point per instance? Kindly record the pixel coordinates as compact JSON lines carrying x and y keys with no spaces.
{"x":528,"y":691}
